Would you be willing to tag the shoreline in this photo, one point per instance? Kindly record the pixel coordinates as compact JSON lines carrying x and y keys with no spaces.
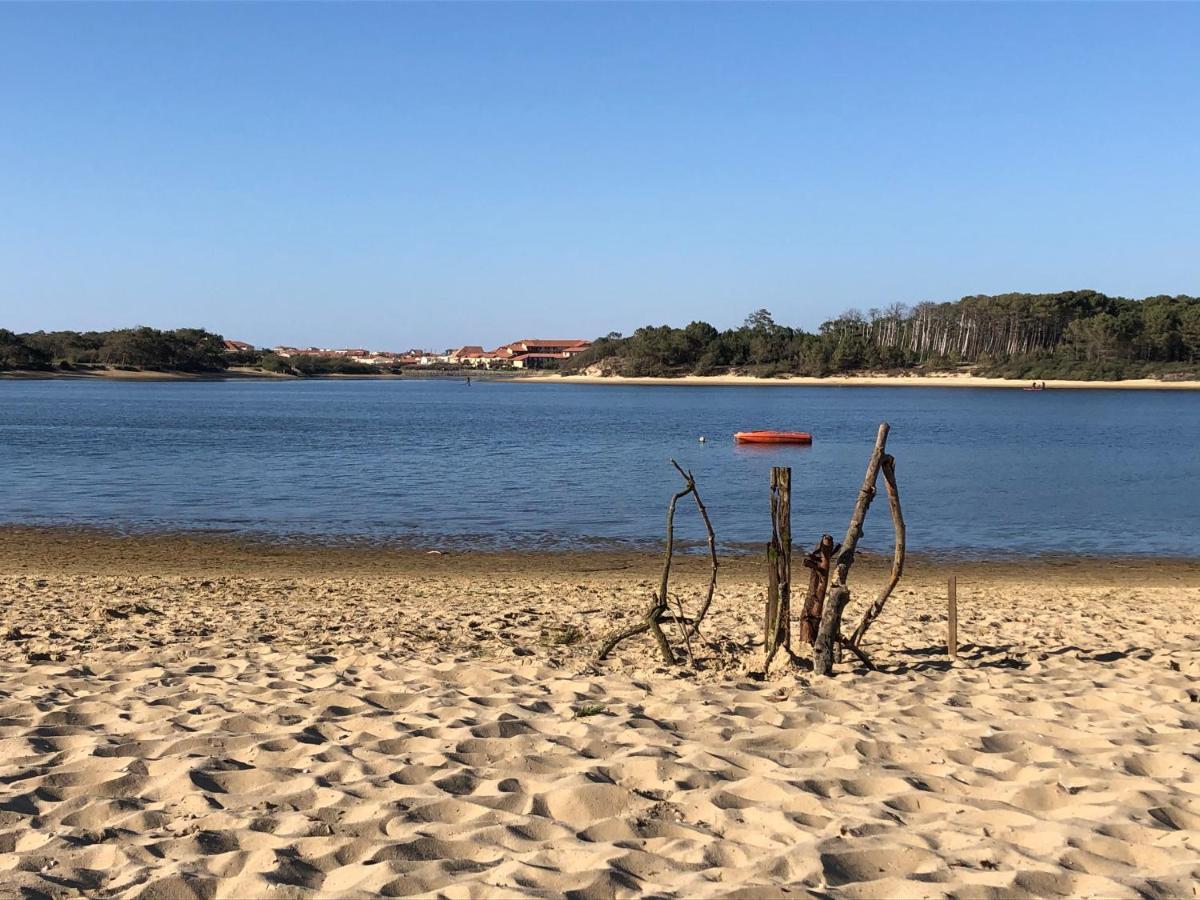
{"x":239,"y":373}
{"x":949,"y":380}
{"x":868,"y":380}
{"x":78,"y":549}
{"x":231,"y":374}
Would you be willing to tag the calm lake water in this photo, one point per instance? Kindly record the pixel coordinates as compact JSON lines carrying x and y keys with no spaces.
{"x":509,"y":465}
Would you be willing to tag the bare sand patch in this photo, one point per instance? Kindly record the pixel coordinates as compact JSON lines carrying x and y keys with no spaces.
{"x":868,"y":379}
{"x":190,"y":717}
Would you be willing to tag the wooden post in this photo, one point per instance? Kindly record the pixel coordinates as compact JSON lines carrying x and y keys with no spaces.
{"x":817,"y":563}
{"x":777,"y":621}
{"x":952,"y":617}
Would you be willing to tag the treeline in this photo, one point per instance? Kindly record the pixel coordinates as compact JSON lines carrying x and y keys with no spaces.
{"x":1073,"y":334}
{"x":192,"y":350}
{"x":180,"y":350}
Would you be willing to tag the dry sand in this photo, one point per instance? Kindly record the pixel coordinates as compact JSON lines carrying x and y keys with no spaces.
{"x":191,"y":717}
{"x":947,"y":379}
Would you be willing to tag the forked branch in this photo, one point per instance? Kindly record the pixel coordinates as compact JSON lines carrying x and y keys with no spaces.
{"x":829,"y":631}
{"x":657,"y":613}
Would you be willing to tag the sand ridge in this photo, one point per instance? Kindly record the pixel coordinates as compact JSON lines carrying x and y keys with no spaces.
{"x":328,"y":732}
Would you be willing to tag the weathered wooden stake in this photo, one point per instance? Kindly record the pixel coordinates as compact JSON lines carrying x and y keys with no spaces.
{"x":777,"y":624}
{"x":952,"y":617}
{"x":817,"y":563}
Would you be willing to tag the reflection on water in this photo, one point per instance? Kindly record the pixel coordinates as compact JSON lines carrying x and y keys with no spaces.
{"x":509,"y":465}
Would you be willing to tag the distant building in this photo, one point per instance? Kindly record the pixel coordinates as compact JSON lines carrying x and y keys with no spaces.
{"x":355,"y":353}
{"x":470,"y":355}
{"x":530,"y":353}
{"x":543,"y":353}
{"x":238,"y":347}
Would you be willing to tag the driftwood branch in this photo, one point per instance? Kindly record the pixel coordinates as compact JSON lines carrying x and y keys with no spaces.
{"x":829,"y":630}
{"x":684,"y":628}
{"x":888,"y":467}
{"x":712,"y":550}
{"x":658,"y":611}
{"x":857,"y":651}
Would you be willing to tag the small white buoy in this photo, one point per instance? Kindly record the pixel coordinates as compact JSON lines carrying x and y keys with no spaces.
{"x":703,"y":439}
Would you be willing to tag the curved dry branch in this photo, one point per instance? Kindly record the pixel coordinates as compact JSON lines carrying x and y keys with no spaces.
{"x":654,"y":614}
{"x":889,"y":479}
{"x":616,"y":637}
{"x":712,"y":551}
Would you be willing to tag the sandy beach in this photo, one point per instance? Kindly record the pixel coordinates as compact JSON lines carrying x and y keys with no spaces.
{"x":948,"y":380}
{"x":194,"y":717}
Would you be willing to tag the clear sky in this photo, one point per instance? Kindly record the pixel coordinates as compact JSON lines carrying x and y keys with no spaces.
{"x":433,"y":175}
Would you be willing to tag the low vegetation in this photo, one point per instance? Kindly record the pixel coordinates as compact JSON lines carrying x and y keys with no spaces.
{"x":562,"y":636}
{"x":180,"y":350}
{"x":306,"y":365}
{"x":590,"y":709}
{"x":191,"y":350}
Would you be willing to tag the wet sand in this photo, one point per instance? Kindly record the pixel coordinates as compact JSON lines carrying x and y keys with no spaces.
{"x":192,"y":716}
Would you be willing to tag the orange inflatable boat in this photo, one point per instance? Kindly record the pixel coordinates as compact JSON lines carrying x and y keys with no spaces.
{"x":773,"y":437}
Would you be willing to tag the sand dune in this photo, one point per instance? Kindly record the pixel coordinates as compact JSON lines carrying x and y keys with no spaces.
{"x":344,"y":725}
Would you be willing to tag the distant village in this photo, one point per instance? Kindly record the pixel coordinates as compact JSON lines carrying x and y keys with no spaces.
{"x":530,"y":353}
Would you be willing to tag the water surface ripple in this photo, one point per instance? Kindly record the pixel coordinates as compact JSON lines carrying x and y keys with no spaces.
{"x":499,"y":465}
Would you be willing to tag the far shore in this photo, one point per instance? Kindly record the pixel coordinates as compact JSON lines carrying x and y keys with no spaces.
{"x":234,"y":373}
{"x":936,"y":380}
{"x":137,"y":374}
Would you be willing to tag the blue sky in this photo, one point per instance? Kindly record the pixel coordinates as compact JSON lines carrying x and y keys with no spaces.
{"x":396,"y":175}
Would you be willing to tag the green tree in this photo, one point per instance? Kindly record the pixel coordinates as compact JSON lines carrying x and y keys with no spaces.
{"x":16,"y":354}
{"x":1189,"y":331}
{"x":759,"y":320}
